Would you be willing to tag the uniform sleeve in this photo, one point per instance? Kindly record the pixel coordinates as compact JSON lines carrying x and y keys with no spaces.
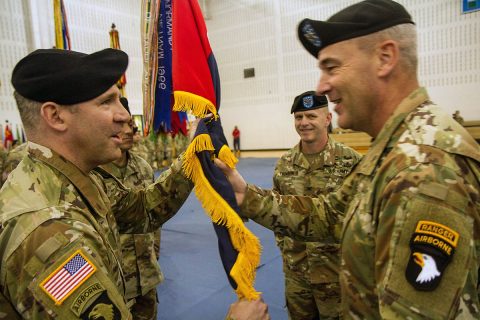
{"x":62,"y":271}
{"x":429,"y":267}
{"x":276,"y":171}
{"x":299,"y":217}
{"x":145,"y":210}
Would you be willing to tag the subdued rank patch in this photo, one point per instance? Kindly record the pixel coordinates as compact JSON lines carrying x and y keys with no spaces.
{"x":103,"y":308}
{"x":71,"y":273}
{"x":432,"y":247}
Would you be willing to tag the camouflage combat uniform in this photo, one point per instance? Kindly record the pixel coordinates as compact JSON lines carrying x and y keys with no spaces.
{"x":59,"y":242}
{"x":12,"y":160}
{"x":140,"y":251}
{"x":311,"y":268}
{"x":410,"y":243}
{"x":139,"y":148}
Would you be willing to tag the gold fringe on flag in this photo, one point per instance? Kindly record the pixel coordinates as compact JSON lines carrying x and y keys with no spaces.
{"x":245,"y":243}
{"x":199,"y":106}
{"x":226,"y":155}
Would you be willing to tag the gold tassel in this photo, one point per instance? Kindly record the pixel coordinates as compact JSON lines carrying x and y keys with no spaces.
{"x":227,"y":156}
{"x":199,"y":106}
{"x":246,"y":244}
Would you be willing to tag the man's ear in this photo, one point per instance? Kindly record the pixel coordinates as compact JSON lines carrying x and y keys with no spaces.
{"x":328,"y":119}
{"x":54,"y":115}
{"x":388,"y":54}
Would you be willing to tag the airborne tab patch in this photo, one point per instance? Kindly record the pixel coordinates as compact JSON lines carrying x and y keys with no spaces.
{"x":62,"y":282}
{"x":432,"y":247}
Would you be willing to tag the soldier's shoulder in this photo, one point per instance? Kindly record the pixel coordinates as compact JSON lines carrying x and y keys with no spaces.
{"x":42,"y":259}
{"x":430,"y":125}
{"x":342,"y":150}
{"x":139,"y":163}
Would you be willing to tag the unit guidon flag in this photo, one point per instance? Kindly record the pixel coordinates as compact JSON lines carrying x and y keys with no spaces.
{"x":196,"y":86}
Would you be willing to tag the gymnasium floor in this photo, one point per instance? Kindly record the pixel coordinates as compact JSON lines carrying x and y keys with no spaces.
{"x":195,"y":285}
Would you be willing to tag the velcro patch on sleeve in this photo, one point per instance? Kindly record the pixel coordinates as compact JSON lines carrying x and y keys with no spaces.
{"x":70,"y":274}
{"x":432,"y":247}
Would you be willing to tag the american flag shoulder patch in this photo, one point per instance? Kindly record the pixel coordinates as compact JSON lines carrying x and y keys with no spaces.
{"x":68,"y":277}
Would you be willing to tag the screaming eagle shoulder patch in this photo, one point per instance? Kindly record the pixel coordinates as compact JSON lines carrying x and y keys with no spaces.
{"x":432,"y":247}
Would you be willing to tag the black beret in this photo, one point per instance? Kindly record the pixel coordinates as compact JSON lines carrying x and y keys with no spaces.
{"x":354,"y":21}
{"x":124,"y":102}
{"x":67,"y":77}
{"x":308,"y":101}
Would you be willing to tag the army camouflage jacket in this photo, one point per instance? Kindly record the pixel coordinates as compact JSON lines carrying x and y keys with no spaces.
{"x":12,"y":159}
{"x":139,"y":148}
{"x":294,"y":174}
{"x":410,"y":242}
{"x":140,"y":251}
{"x":59,"y":241}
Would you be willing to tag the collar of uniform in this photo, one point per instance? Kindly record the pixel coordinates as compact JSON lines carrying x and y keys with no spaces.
{"x":112,"y":168}
{"x":298,"y":158}
{"x":132,"y":166}
{"x":122,"y":173}
{"x":80,"y":180}
{"x":326,"y":156}
{"x":370,"y":160}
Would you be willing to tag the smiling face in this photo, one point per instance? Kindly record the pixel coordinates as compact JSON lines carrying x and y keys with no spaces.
{"x":95,"y":129}
{"x":312,"y":126}
{"x":349,"y":81}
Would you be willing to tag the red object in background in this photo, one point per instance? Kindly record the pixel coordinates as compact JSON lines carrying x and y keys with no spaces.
{"x":8,"y":137}
{"x":236,"y":133}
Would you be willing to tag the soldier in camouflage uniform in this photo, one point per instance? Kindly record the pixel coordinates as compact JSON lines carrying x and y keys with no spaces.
{"x":140,"y":252}
{"x":410,"y":237}
{"x":139,"y":147}
{"x":12,"y":159}
{"x":167,"y":148}
{"x":317,"y":165}
{"x":59,"y":240}
{"x":159,"y":151}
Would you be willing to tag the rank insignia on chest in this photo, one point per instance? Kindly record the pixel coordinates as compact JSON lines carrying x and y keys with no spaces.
{"x":432,"y":247}
{"x":71,"y":273}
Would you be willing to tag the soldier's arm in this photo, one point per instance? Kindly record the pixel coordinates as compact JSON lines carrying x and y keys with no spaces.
{"x":144,"y":210}
{"x":428,"y":223}
{"x":276,"y":184}
{"x":303,"y":218}
{"x":61,"y":270}
{"x":299,"y":217}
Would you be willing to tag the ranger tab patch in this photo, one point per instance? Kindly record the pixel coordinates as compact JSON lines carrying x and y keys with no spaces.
{"x":432,"y":247}
{"x":68,"y":277}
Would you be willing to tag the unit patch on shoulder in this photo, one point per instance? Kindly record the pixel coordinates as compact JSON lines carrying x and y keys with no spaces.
{"x":102,"y":308}
{"x":71,"y":273}
{"x":432,"y":247}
